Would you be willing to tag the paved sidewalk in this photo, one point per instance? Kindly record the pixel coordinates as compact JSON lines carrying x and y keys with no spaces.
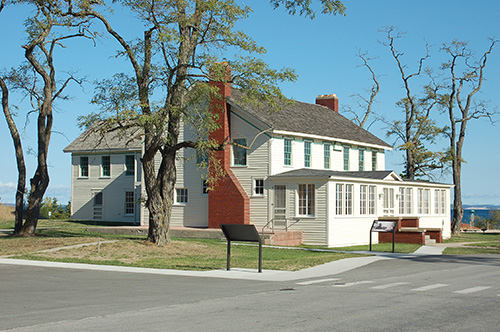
{"x":330,"y":268}
{"x":326,"y":269}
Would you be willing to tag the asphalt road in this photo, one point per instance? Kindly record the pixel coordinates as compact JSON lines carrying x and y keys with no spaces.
{"x":428,"y":293}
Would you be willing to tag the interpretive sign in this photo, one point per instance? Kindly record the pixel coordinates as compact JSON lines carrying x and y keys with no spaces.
{"x":384,"y":226}
{"x":244,"y":233}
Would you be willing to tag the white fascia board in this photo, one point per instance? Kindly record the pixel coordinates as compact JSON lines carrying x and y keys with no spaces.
{"x":333,"y":139}
{"x":101,"y":151}
{"x":393,"y":175}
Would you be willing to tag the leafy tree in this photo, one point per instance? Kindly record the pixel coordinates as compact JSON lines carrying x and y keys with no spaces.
{"x":176,"y":53}
{"x":37,"y":80}
{"x":50,"y":208}
{"x":465,"y":77}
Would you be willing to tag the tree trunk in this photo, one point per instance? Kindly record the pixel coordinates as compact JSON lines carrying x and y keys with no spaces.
{"x":458,"y":211}
{"x":21,"y":166}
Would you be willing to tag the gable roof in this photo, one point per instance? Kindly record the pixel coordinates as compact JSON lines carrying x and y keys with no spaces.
{"x":310,"y":119}
{"x":93,"y":140}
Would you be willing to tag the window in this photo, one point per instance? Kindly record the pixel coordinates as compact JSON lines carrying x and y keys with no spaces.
{"x":288,"y":152}
{"x":420,"y":201}
{"x":106,"y":166}
{"x":129,"y":165}
{"x":240,"y":152}
{"x":346,"y":158}
{"x":84,"y":167}
{"x":362,"y":199}
{"x":371,"y":199}
{"x":344,"y":199}
{"x":181,"y":196}
{"x":348,"y":199}
{"x":402,"y":202}
{"x":388,"y":201}
{"x":129,"y":203}
{"x":361,"y":160}
{"x":443,"y":202}
{"x":327,"y":158}
{"x":258,"y":187}
{"x":204,"y":187}
{"x":201,"y":158}
{"x":436,"y":201}
{"x":374,"y":160}
{"x":409,"y":196}
{"x":427,"y":193}
{"x":339,"y":199}
{"x":98,"y":199}
{"x":307,"y":154}
{"x":306,"y":199}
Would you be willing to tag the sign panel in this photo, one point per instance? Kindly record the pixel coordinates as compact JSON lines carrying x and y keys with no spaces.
{"x":384,"y":226}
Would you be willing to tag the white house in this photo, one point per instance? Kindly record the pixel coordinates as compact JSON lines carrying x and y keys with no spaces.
{"x":305,"y":164}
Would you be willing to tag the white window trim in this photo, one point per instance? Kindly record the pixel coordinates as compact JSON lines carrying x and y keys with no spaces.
{"x":254,"y":187}
{"x":80,"y":176}
{"x":234,"y":147}
{"x":291,"y":152}
{"x":102,"y":168}
{"x":176,"y":202}
{"x":133,"y":202}
{"x":297,"y":212}
{"x":125,"y":168}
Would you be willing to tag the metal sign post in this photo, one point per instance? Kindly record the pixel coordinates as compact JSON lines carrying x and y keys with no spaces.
{"x":244,"y":233}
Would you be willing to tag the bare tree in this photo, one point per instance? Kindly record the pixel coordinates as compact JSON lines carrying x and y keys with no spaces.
{"x":21,"y":166}
{"x":461,"y":106}
{"x":37,"y":79}
{"x":365,"y":103}
{"x":417,"y":129}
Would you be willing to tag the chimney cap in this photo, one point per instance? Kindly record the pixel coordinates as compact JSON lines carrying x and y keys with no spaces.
{"x":332,"y":95}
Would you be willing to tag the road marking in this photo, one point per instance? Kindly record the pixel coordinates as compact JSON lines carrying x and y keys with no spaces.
{"x":304,"y":283}
{"x":394,"y":284}
{"x":349,"y":284}
{"x":430,"y":287}
{"x":472,"y":290}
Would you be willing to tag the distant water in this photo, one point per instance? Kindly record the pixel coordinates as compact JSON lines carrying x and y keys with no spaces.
{"x":477,"y":213}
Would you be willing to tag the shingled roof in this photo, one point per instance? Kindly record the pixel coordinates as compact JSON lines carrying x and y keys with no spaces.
{"x":307,"y":118}
{"x":93,"y":140}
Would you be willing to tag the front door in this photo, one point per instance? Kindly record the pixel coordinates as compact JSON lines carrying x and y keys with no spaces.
{"x":279,"y":213}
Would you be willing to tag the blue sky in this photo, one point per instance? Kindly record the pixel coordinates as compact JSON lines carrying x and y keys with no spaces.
{"x":323,"y":53}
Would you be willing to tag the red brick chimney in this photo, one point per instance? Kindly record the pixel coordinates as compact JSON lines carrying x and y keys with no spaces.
{"x":228,"y":203}
{"x":330,"y":101}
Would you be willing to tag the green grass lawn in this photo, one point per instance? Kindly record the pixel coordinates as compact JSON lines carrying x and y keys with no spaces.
{"x":127,"y":250}
{"x":482,"y":243}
